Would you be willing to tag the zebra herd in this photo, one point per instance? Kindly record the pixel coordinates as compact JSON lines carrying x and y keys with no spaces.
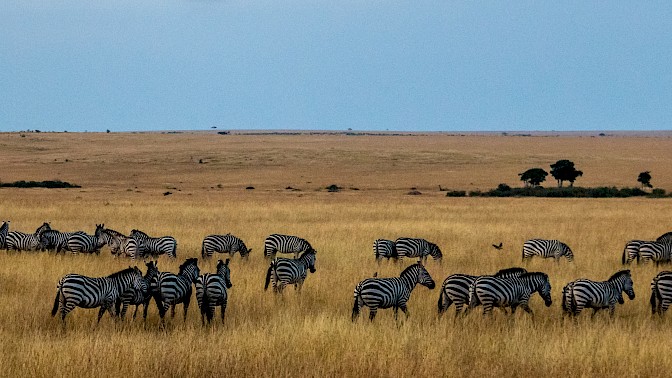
{"x":643,"y":251}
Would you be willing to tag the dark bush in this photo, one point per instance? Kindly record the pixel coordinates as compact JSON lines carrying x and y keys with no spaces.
{"x":456,"y":193}
{"x":52,"y":184}
{"x":333,"y":188}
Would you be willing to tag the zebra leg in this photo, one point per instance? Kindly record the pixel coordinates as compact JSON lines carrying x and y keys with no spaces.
{"x":595,"y":310}
{"x":223,"y":308}
{"x":101,"y":312}
{"x":172,"y":311}
{"x":135,"y":313}
{"x":612,"y":307}
{"x":372,"y":313}
{"x":404,"y":309}
{"x":664,"y":305}
{"x":396,"y":311}
{"x":186,"y":306}
{"x":527,"y":309}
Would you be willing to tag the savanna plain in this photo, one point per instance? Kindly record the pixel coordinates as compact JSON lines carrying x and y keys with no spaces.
{"x":125,"y":179}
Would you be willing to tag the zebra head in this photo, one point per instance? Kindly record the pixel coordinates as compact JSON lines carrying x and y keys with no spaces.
{"x":152,"y":271}
{"x":224,"y":271}
{"x":540,"y":283}
{"x":190,"y":269}
{"x":435,"y":252}
{"x":421,"y":274}
{"x":244,"y":252}
{"x":309,"y":257}
{"x":566,"y":251}
{"x":623,"y":281}
{"x":138,"y":282}
{"x":40,"y":230}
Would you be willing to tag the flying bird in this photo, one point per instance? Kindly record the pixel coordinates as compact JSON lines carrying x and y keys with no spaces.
{"x":498,"y":247}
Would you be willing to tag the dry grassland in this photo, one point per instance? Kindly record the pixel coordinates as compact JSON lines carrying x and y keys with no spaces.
{"x":123,"y":177}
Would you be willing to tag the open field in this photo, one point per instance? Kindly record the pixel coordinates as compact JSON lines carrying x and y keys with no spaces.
{"x":124,"y":176}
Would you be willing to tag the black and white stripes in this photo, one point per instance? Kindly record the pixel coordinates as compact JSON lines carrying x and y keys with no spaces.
{"x":156,"y":246}
{"x":223,"y":244}
{"x":584,"y":293}
{"x":416,"y":247}
{"x":211,"y":291}
{"x":511,"y":292}
{"x":4,"y":229}
{"x":172,"y":289}
{"x":661,"y":292}
{"x":275,"y":243}
{"x":547,"y":249}
{"x":383,"y":248}
{"x":282,"y":272}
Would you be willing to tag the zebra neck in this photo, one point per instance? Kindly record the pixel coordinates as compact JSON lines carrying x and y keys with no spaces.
{"x":407,"y":279}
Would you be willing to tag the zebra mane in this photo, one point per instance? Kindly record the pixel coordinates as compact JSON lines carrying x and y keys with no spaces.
{"x":533,"y":275}
{"x":410,"y":267}
{"x":134,"y":231}
{"x":514,"y":270}
{"x":122,"y":272}
{"x":618,"y":275}
{"x":114,"y":233}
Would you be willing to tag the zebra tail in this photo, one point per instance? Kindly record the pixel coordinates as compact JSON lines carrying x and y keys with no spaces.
{"x":623,"y":258}
{"x":205,"y":306}
{"x":473,"y":298}
{"x":441,"y":309}
{"x":653,"y":299}
{"x":355,"y":306}
{"x":203,"y":250}
{"x":268,"y":275}
{"x":572,"y":299}
{"x":56,"y":301}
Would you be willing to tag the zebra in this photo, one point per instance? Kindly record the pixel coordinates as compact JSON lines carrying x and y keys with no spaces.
{"x":661,"y":292}
{"x":4,"y":229}
{"x":455,"y":288}
{"x":665,"y":238}
{"x":384,"y":248}
{"x":157,"y":246}
{"x":413,"y":247}
{"x":224,"y":243}
{"x":509,"y":292}
{"x":546,"y":249}
{"x":566,"y":303}
{"x":656,"y":252}
{"x":211,"y":291}
{"x":139,"y":297}
{"x":20,"y":241}
{"x":584,"y":293}
{"x":394,"y":292}
{"x":85,"y":243}
{"x":74,"y":290}
{"x":53,"y":240}
{"x":631,"y":251}
{"x":122,"y":245}
{"x":173,"y":289}
{"x":283,"y":272}
{"x":285,"y":244}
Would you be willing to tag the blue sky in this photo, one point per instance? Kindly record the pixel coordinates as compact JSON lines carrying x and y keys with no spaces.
{"x":332,"y":65}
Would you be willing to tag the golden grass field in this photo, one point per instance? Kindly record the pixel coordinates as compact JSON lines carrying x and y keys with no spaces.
{"x":124,"y":176}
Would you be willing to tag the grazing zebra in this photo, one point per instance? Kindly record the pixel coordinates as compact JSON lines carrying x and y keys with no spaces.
{"x":223,"y":243}
{"x":394,"y":292}
{"x":139,"y":297}
{"x":285,"y":244}
{"x":661,"y":292}
{"x":509,"y":292}
{"x":211,"y":291}
{"x":665,"y":238}
{"x":547,"y":249}
{"x":631,"y":251}
{"x":653,"y":251}
{"x":75,"y":290}
{"x":85,"y":243}
{"x":53,"y":240}
{"x":384,"y":248}
{"x":455,"y":288}
{"x":584,"y":293}
{"x":283,"y":272}
{"x":4,"y":229}
{"x":421,"y":248}
{"x":20,"y":241}
{"x":156,"y":246}
{"x":122,"y":245}
{"x":173,"y":289}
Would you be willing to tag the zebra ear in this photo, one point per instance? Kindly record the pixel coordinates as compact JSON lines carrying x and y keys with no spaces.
{"x":420,"y":261}
{"x":227,"y":262}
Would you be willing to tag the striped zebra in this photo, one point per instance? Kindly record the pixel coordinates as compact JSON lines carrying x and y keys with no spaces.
{"x":54,"y":240}
{"x":661,"y":292}
{"x":659,"y":253}
{"x":156,"y":246}
{"x":631,"y":251}
{"x":20,"y":241}
{"x":122,"y":245}
{"x":223,"y":243}
{"x":4,"y":229}
{"x":567,"y":300}
{"x":173,"y":289}
{"x":81,"y":242}
{"x":414,"y":247}
{"x":455,"y":288}
{"x":584,"y":293}
{"x":509,"y":292}
{"x":139,"y":297}
{"x":285,"y":244}
{"x":74,"y":290}
{"x":665,"y":238}
{"x":376,"y":293}
{"x":384,"y":248}
{"x":211,"y":291}
{"x":283,"y":272}
{"x":547,"y":249}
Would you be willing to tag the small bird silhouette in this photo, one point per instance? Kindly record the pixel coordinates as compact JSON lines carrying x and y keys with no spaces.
{"x":375,"y":274}
{"x":498,"y":247}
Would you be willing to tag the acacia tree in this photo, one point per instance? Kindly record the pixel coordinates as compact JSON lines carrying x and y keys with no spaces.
{"x":533,"y":177}
{"x":645,"y":179}
{"x":563,"y":170}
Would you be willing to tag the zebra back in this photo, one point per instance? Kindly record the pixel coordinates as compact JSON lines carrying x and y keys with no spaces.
{"x":20,"y":241}
{"x":384,"y":248}
{"x":223,"y":243}
{"x":285,"y":244}
{"x":4,"y":229}
{"x":656,"y":252}
{"x":546,"y":249}
{"x":417,"y":247}
{"x":156,"y":245}
{"x":665,"y":238}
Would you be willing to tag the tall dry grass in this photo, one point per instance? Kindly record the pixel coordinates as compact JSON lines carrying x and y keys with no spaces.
{"x":310,"y":334}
